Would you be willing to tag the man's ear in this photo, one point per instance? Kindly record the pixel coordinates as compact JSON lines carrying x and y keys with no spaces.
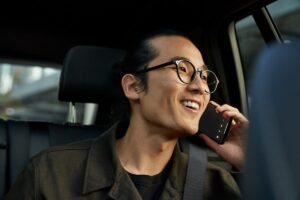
{"x":131,"y":87}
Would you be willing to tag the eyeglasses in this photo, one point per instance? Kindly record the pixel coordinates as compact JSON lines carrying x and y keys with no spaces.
{"x":187,"y":73}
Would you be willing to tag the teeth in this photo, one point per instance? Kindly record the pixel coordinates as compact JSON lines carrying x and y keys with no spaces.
{"x":191,"y":104}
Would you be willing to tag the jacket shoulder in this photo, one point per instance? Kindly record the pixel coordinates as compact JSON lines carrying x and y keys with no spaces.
{"x":64,"y":152}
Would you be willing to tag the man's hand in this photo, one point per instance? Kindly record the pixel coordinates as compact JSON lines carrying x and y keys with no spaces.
{"x":233,"y":149}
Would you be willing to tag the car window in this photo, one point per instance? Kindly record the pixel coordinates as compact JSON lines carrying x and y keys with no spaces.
{"x":250,"y":41}
{"x":286,"y":14}
{"x":29,"y":92}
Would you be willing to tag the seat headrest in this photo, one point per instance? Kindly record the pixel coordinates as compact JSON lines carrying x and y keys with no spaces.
{"x":87,"y":74}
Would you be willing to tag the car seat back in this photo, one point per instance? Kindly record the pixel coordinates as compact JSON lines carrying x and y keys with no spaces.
{"x":272,"y":162}
{"x":86,"y":78}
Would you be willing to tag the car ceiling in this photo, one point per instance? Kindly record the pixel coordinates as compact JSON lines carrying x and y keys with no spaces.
{"x":46,"y":30}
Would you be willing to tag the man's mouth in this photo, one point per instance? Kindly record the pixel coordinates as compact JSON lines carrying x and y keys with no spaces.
{"x":191,"y":104}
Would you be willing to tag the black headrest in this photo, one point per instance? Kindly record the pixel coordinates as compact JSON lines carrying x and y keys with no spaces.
{"x":87,"y":74}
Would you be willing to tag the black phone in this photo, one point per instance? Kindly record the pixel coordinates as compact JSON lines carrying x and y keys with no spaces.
{"x":214,"y":125}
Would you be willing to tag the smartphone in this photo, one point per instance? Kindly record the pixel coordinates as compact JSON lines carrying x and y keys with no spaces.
{"x":214,"y":125}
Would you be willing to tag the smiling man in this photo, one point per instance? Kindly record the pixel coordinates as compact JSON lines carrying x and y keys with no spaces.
{"x":168,"y":87}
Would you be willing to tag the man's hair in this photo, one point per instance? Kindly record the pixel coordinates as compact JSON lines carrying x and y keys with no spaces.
{"x":142,"y":52}
{"x":138,"y":56}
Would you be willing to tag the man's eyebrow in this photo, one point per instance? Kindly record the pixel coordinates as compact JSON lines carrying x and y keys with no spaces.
{"x":179,"y":58}
{"x":204,"y":66}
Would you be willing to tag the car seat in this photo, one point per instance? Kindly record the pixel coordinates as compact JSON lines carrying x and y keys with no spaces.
{"x":86,"y":77}
{"x":272,"y":157}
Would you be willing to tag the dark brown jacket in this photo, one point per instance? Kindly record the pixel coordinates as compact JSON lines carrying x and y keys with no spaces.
{"x":91,"y":170}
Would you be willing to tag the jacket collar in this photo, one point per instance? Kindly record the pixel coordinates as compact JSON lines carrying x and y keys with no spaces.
{"x":103,"y":168}
{"x":102,"y":162}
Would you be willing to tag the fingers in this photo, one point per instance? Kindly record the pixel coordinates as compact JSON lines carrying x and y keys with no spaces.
{"x":229,"y":111}
{"x":238,"y":117}
{"x":224,"y":107}
{"x":209,"y":142}
{"x":214,"y":103}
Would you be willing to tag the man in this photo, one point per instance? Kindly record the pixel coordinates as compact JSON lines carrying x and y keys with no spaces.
{"x":167,"y":85}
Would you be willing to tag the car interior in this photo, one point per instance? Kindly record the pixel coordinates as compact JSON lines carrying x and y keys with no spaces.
{"x":27,"y":138}
{"x":85,"y":40}
{"x":273,"y":132}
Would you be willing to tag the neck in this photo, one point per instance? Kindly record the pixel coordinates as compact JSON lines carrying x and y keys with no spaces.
{"x":143,"y":150}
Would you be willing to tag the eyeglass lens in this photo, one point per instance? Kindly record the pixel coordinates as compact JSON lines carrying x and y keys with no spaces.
{"x":186,"y":73}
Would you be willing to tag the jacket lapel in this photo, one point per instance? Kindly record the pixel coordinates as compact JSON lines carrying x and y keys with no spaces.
{"x":101,"y":164}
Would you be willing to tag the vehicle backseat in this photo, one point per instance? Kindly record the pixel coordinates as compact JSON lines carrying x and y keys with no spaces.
{"x":26,"y":139}
{"x":86,"y":78}
{"x":3,"y":155}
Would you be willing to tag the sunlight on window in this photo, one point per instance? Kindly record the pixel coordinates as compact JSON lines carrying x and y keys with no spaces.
{"x":50,"y":71}
{"x":30,"y":93}
{"x":6,"y":80}
{"x":35,"y":74}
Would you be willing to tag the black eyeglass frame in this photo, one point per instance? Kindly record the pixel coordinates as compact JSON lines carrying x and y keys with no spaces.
{"x":176,"y":62}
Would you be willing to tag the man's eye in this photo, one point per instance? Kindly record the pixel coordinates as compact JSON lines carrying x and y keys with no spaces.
{"x":203,"y":77}
{"x":182,"y":69}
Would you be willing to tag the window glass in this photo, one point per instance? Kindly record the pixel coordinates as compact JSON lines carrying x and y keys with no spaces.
{"x":30,"y":93}
{"x":286,"y":14}
{"x":250,"y":42}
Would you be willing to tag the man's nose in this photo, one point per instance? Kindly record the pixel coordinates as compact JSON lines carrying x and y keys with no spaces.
{"x":197,"y":85}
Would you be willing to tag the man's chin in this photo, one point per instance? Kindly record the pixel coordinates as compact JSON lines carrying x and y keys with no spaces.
{"x":192,"y":130}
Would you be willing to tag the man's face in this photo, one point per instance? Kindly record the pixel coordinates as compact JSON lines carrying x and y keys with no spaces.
{"x":168,"y":104}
